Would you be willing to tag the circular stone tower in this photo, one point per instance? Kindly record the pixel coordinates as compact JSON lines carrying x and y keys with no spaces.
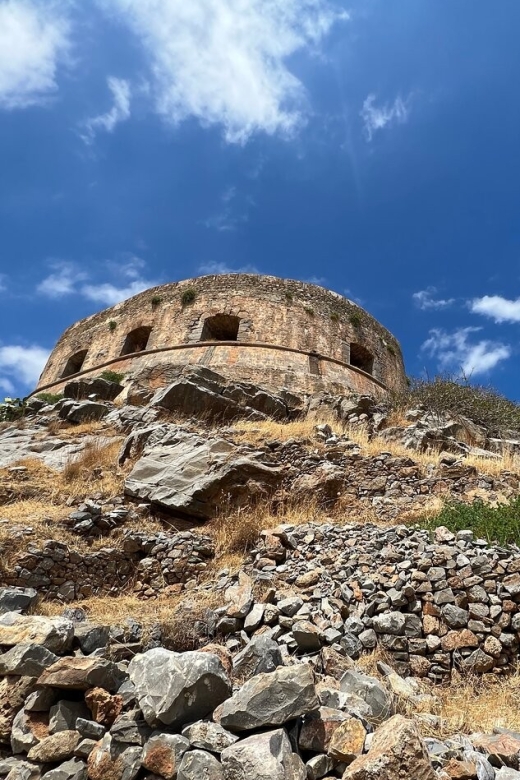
{"x":277,"y":333}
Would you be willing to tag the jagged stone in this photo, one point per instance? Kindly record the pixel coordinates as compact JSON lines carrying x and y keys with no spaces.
{"x":26,"y":660}
{"x":395,"y":750}
{"x":16,"y":599}
{"x":80,"y":674}
{"x":197,"y":764}
{"x":75,"y":769}
{"x":174,"y":475}
{"x":373,"y":693}
{"x":81,"y":388}
{"x":114,"y":760}
{"x":261,"y":654}
{"x":206,"y":735}
{"x":55,"y":634}
{"x":64,"y":714}
{"x":57,"y":747}
{"x":271,"y":699}
{"x":174,"y":689}
{"x":163,"y":754}
{"x":266,"y":756}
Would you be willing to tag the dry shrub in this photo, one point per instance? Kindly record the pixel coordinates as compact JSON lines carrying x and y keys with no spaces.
{"x":94,"y":468}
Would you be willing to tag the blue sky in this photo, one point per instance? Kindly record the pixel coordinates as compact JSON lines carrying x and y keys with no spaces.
{"x":371,"y":146}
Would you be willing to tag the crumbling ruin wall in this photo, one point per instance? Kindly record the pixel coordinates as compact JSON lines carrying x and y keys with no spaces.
{"x":288,"y":333}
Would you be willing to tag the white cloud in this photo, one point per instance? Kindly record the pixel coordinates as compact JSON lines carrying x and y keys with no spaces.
{"x":225,"y":62}
{"x":223,"y":268}
{"x":21,"y":366}
{"x":376,"y":118}
{"x":34,"y":41}
{"x":62,"y":281}
{"x":424,"y":299}
{"x":456,"y":351}
{"x":120,"y":111}
{"x":498,"y":308}
{"x":68,"y":279}
{"x":230,"y":216}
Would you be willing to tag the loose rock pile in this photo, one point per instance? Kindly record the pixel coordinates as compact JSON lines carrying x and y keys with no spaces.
{"x":68,"y":711}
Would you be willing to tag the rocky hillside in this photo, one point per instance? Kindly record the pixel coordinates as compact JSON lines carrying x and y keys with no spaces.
{"x":214,"y":582}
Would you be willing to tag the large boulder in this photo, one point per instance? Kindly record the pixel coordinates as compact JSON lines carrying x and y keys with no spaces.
{"x":174,"y":688}
{"x":55,"y":634}
{"x":202,"y":392}
{"x":271,"y":699}
{"x":81,"y":388}
{"x":265,"y":756}
{"x":186,"y":473}
{"x":26,"y":660}
{"x":396,"y":751}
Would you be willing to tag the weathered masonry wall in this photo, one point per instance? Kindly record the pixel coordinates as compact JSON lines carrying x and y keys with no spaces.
{"x":255,"y":328}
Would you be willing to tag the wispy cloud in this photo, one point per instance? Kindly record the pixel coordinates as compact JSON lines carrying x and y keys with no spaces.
{"x":34,"y":42}
{"x":21,"y":365}
{"x":230,"y":215}
{"x":63,"y":280}
{"x":378,"y":117}
{"x":120,"y":111}
{"x":3,"y":282}
{"x":223,"y":268}
{"x":498,"y":308}
{"x":425,"y":299}
{"x":225,"y":62}
{"x":457,"y":351}
{"x":68,"y":279}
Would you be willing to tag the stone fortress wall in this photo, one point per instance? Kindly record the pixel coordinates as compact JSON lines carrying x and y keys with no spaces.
{"x":276,"y":332}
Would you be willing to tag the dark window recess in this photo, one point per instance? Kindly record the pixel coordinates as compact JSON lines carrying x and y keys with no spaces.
{"x":221,"y":327}
{"x":361,"y":358}
{"x":136,"y":341}
{"x":345,"y":352}
{"x":314,"y":365}
{"x":75,"y":363}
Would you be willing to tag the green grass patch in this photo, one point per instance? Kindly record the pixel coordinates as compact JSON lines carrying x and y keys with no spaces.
{"x":112,"y":376}
{"x":50,"y":398}
{"x":496,"y":524}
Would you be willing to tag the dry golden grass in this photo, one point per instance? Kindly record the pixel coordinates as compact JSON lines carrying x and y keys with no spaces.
{"x":175,"y":614}
{"x":258,"y":433}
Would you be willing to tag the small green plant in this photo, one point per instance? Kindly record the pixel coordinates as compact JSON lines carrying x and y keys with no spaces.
{"x":112,"y":376}
{"x":50,"y":398}
{"x":334,"y":316}
{"x":155,"y":301}
{"x":391,"y":349}
{"x":112,"y":325}
{"x":188,"y":296}
{"x":309,"y":310}
{"x":355,"y":319}
{"x":495,"y":524}
{"x":289,"y":296}
{"x":12,"y":409}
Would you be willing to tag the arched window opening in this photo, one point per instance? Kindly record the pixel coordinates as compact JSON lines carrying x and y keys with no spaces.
{"x":136,"y":341}
{"x":220,"y":327}
{"x":75,"y":363}
{"x":361,"y":358}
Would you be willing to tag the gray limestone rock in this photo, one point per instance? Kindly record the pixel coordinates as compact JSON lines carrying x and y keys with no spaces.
{"x":16,"y":599}
{"x":271,"y":699}
{"x":174,"y":475}
{"x":55,"y":634}
{"x":265,"y":756}
{"x":206,"y":735}
{"x":261,"y":654}
{"x":26,"y":660}
{"x":177,"y":688}
{"x":75,"y":769}
{"x":64,"y":714}
{"x":376,"y":696}
{"x":197,"y":764}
